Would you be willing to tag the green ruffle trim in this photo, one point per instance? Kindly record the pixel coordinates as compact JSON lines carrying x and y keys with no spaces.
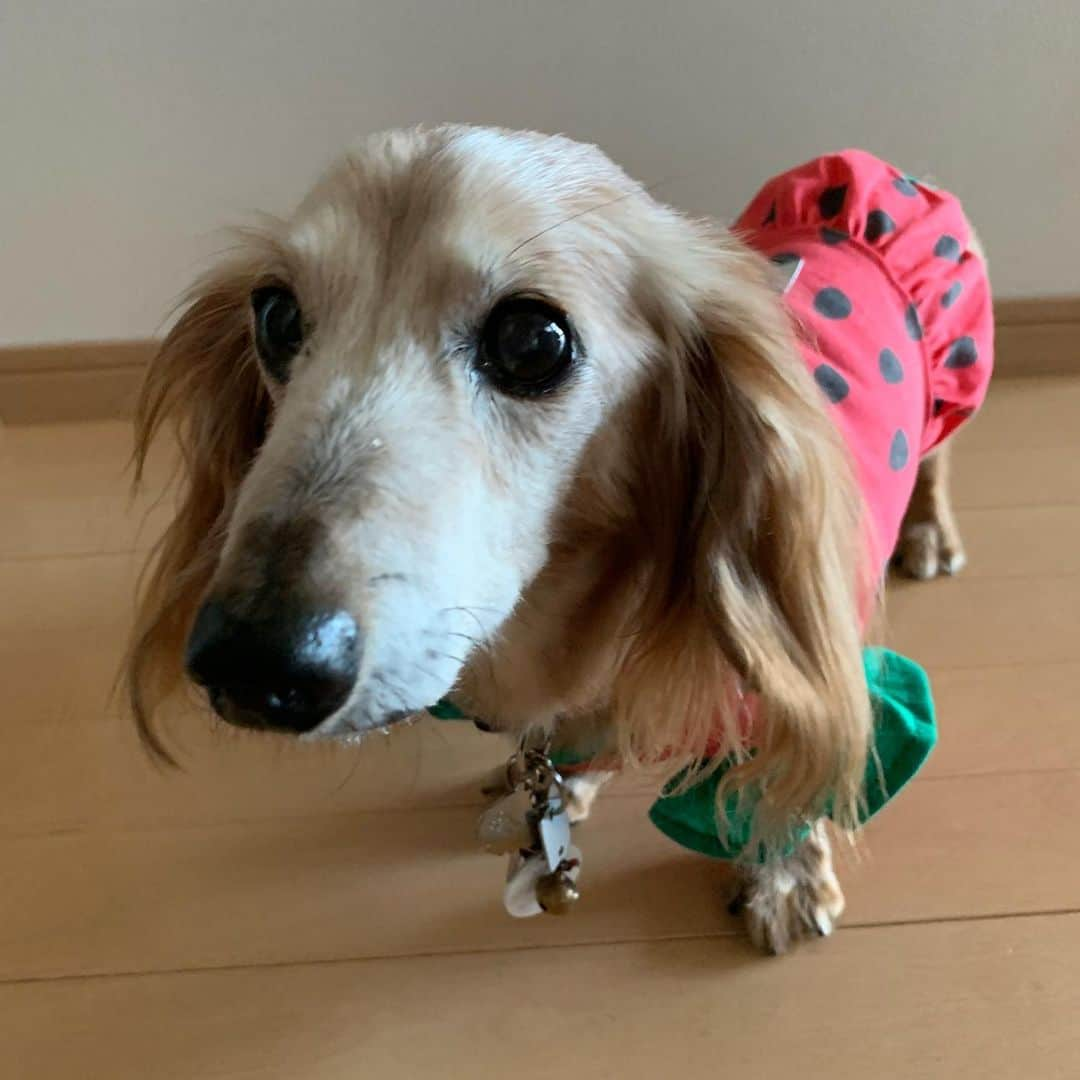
{"x":905,"y":732}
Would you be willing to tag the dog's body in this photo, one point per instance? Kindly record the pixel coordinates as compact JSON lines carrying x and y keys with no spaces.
{"x":484,"y":417}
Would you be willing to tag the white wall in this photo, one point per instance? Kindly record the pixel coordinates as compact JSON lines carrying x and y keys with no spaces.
{"x":130,"y":130}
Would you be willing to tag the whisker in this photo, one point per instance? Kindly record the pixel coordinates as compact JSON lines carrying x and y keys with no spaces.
{"x":566,"y":221}
{"x":424,"y":671}
{"x":449,"y":656}
{"x":650,"y":189}
{"x":348,"y":776}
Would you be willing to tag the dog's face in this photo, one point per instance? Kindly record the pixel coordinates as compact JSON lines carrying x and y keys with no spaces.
{"x":443,"y":327}
{"x":485,"y":416}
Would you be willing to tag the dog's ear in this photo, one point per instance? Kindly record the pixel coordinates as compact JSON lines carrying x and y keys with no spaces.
{"x":205,"y":384}
{"x":752,"y":536}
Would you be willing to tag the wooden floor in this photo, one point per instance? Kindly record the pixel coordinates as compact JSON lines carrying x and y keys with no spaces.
{"x":310,"y":912}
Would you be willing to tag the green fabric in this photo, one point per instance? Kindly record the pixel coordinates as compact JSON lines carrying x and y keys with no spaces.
{"x":446,"y":710}
{"x":904,"y":735}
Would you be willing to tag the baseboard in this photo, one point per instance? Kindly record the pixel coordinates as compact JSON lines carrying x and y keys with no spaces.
{"x":100,"y":380}
{"x":1037,"y":337}
{"x":78,"y":381}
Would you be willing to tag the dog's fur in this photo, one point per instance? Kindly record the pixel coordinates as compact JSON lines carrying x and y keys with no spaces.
{"x":674,"y":526}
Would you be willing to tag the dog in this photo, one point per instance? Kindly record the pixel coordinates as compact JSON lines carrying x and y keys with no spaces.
{"x":485,"y":418}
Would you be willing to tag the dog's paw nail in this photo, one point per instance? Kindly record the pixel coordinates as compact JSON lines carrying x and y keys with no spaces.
{"x":924,"y":554}
{"x":796,"y":898}
{"x":953,"y":562}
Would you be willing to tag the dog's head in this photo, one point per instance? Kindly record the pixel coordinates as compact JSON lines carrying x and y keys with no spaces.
{"x":470,"y":353}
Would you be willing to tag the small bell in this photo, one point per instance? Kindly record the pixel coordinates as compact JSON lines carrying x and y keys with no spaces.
{"x":524,"y":896}
{"x":556,"y":893}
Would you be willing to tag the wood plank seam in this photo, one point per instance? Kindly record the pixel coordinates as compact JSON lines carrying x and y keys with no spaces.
{"x":595,"y":943}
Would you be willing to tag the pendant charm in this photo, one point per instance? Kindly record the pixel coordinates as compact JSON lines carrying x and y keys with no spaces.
{"x":557,"y":892}
{"x":532,"y":826}
{"x":531,"y":890}
{"x":505,"y":826}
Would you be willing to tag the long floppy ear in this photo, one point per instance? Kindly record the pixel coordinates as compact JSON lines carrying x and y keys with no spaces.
{"x":752,"y":533}
{"x":205,"y":383}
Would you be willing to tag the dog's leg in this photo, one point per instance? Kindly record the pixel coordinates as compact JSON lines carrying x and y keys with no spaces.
{"x":786,"y":899}
{"x":930,"y":541}
{"x":581,"y":792}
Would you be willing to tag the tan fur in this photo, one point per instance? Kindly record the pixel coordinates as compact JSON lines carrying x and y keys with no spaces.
{"x":784,"y":900}
{"x":205,"y":381}
{"x":725,"y":557}
{"x":676,"y":528}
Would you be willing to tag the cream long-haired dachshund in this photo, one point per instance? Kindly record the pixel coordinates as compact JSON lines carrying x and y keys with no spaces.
{"x":483,"y":418}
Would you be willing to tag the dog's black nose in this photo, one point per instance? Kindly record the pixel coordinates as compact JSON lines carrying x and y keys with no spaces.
{"x":286,"y":670}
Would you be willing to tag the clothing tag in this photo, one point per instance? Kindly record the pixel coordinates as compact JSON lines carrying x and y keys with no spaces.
{"x":554,"y":829}
{"x":788,"y":268}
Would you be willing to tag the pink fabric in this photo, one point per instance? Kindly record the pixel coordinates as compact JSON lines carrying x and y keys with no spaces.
{"x":893,"y":312}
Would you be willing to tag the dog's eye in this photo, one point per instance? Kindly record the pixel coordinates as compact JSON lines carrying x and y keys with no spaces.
{"x":279,"y":329}
{"x":526,"y":346}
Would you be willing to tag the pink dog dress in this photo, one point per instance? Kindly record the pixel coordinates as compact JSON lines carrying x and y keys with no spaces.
{"x":894,"y":320}
{"x":893,"y":313}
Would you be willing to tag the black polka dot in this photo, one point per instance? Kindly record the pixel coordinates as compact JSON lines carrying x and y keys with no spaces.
{"x":832,"y":382}
{"x":947,"y":247}
{"x":939,"y":406}
{"x":950,"y":297}
{"x":833,"y":236}
{"x":905,"y":186}
{"x":832,"y":303}
{"x":898,"y":451}
{"x":878,"y":223}
{"x":962,"y":353}
{"x":912,"y":324}
{"x":770,"y":217}
{"x":831,"y":200}
{"x":892,"y":371}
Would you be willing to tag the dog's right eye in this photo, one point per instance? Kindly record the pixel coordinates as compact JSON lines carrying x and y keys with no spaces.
{"x":279,"y":329}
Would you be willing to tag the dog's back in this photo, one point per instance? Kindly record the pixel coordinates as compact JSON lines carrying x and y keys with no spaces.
{"x":892,"y":302}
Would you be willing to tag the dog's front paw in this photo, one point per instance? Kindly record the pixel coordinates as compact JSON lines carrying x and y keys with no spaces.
{"x":790,"y":898}
{"x":581,"y":791}
{"x":925,"y":551}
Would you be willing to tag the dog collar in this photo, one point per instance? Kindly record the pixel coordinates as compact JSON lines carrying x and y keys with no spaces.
{"x":445,"y":709}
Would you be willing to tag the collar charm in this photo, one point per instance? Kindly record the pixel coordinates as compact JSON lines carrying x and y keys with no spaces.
{"x":529,"y":823}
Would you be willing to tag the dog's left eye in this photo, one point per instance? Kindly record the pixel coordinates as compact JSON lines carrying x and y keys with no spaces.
{"x":279,"y":329}
{"x":526,"y":346}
